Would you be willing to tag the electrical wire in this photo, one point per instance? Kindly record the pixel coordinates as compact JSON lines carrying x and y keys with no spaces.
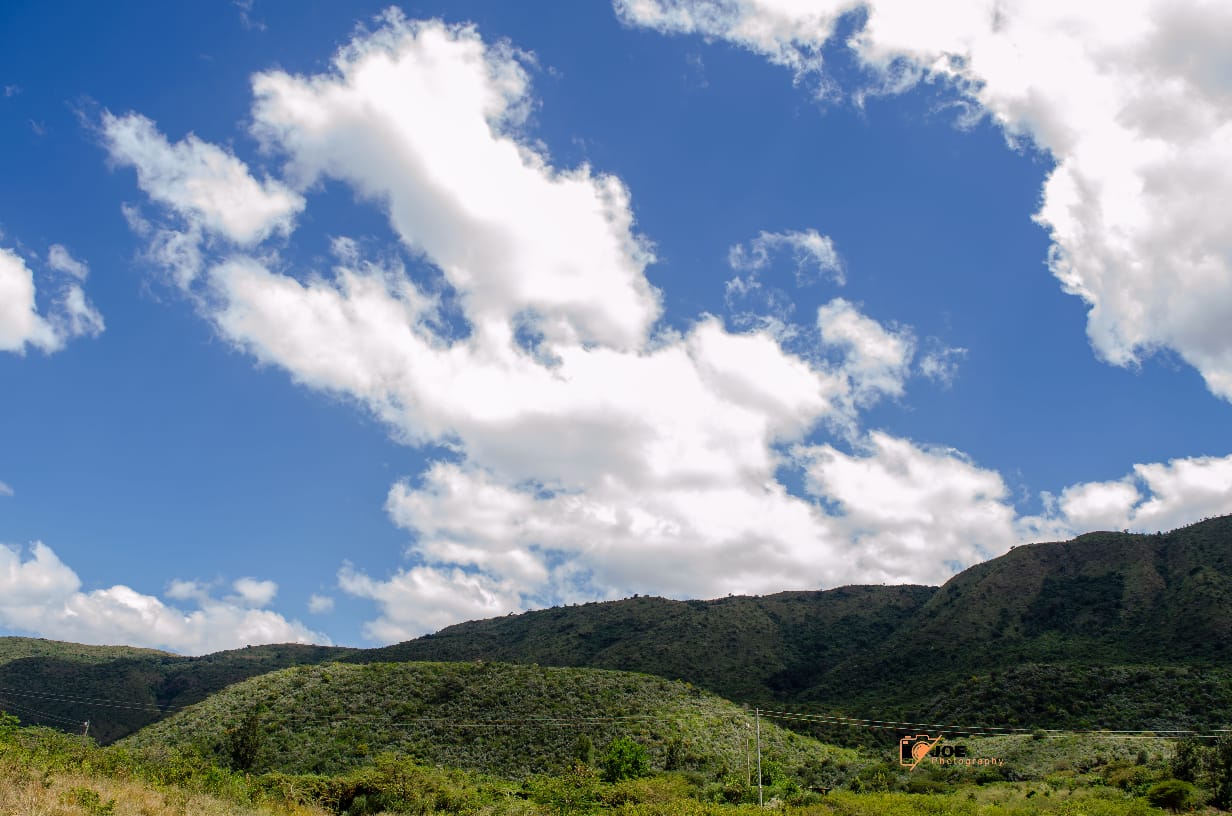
{"x":446,"y":722}
{"x":42,"y":715}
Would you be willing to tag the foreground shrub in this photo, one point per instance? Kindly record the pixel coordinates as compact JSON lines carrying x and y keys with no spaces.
{"x":1173,"y":794}
{"x":624,"y":759}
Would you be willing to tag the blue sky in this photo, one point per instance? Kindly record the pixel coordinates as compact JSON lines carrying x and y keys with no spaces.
{"x":336,"y":323}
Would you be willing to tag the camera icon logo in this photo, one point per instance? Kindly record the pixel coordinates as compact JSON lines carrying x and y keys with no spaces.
{"x":912,"y":750}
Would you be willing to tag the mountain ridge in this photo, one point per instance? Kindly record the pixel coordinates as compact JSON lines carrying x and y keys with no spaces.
{"x":1093,"y":612}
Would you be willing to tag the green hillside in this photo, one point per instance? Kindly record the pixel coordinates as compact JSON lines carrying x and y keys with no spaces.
{"x":120,"y":689}
{"x":742,"y":648}
{"x":1108,"y":630}
{"x":1078,"y":613}
{"x":18,"y":648}
{"x":511,"y":720}
{"x":1044,"y":635}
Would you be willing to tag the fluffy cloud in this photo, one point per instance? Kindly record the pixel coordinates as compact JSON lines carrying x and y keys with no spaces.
{"x":592,"y":451}
{"x":61,"y":260}
{"x":876,"y":359}
{"x":911,"y":513}
{"x":209,"y":192}
{"x":589,"y":444}
{"x":515,"y":548}
{"x":1158,"y":496}
{"x":425,"y":599}
{"x":1132,"y":101}
{"x":70,"y":314}
{"x":251,"y":592}
{"x":42,"y":595}
{"x":420,"y":116}
{"x":320,"y":604}
{"x":5,"y":490}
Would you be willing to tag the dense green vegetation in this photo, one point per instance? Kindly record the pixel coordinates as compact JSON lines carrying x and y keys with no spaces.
{"x":1109,"y":630}
{"x":509,"y":720}
{"x":741,"y":648}
{"x":120,"y":689}
{"x":44,"y":772}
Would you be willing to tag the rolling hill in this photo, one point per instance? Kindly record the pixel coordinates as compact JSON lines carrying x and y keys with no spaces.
{"x":505,"y":719}
{"x":1107,"y":630}
{"x":120,"y":689}
{"x":739,"y":647}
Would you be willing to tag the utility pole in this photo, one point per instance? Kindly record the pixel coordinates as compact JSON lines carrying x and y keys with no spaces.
{"x":757,"y":718}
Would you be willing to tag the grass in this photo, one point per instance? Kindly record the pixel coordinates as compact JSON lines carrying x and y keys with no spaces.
{"x":44,"y":774}
{"x":27,"y":793}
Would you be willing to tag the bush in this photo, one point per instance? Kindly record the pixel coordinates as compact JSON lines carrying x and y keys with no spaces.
{"x":624,"y":759}
{"x":1173,"y":794}
{"x":576,"y":791}
{"x":8,"y":726}
{"x":89,"y":801}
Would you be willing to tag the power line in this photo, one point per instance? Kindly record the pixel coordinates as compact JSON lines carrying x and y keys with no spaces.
{"x":104,"y":702}
{"x":42,"y":715}
{"x":984,"y":730}
{"x":804,"y":717}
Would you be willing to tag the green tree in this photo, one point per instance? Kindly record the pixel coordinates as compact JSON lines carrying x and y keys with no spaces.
{"x":1220,"y":768}
{"x":1187,"y":760}
{"x":624,"y":759}
{"x":584,"y":750}
{"x":245,"y":741}
{"x":1173,"y":794}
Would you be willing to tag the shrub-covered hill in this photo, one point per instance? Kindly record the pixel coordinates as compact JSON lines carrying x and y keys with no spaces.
{"x":19,"y":648}
{"x":1110,"y":630}
{"x":511,"y":720}
{"x":120,"y":689}
{"x":742,"y":648}
{"x":1084,"y":614}
{"x":1157,"y":698}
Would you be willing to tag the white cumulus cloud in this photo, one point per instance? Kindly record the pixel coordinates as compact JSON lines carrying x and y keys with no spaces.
{"x":41,"y":595}
{"x":208,"y":190}
{"x":912,"y":513}
{"x":877,"y":359}
{"x":420,"y":116}
{"x":1133,"y":101}
{"x":69,"y":315}
{"x":252,"y":592}
{"x":1155,"y":496}
{"x":593,"y":452}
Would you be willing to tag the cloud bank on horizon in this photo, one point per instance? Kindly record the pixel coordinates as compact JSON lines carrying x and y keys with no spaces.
{"x":590,"y":449}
